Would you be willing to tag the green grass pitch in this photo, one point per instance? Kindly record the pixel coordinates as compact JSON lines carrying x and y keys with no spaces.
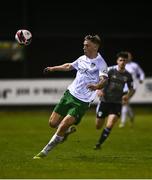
{"x":127,"y":153}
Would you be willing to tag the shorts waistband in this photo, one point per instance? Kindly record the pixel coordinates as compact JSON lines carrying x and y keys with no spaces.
{"x":77,"y":98}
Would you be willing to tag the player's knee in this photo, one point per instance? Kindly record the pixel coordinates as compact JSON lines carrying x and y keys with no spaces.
{"x":52,"y":123}
{"x":99,"y":123}
{"x":63,"y":126}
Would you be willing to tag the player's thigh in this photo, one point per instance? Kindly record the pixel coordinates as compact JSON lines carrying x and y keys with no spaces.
{"x":55,"y":119}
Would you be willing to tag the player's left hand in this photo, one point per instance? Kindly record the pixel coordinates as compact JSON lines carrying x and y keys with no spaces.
{"x":100,"y":93}
{"x":125,"y":99}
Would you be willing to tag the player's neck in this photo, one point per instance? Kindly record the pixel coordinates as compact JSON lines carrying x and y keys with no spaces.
{"x":92,"y":55}
{"x":121,"y":69}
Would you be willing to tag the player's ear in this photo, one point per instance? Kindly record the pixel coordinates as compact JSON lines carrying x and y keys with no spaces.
{"x":96,"y":47}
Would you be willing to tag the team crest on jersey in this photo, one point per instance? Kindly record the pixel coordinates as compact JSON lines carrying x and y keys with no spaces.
{"x":93,"y":65}
{"x":114,"y":76}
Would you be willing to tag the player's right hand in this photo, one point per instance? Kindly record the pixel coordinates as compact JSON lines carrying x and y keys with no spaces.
{"x":46,"y":70}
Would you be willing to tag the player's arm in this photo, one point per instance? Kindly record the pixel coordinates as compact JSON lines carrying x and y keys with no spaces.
{"x":126,"y":97}
{"x":100,"y":85}
{"x":103,"y":75}
{"x":131,"y":91}
{"x":63,"y":67}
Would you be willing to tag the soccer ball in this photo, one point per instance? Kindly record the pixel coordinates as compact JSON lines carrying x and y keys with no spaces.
{"x":23,"y":37}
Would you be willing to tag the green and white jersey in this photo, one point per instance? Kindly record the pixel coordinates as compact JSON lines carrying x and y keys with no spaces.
{"x":88,"y":72}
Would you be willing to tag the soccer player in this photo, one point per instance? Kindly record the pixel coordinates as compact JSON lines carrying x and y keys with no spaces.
{"x":111,"y":97}
{"x":91,"y":75}
{"x":138,"y":76}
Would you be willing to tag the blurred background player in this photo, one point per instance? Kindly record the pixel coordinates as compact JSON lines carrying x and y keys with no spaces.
{"x":111,"y":97}
{"x":138,"y":76}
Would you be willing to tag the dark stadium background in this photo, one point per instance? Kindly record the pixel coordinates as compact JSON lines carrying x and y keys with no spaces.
{"x":58,"y":29}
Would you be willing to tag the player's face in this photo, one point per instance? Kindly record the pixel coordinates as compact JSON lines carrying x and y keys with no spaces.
{"x":121,"y":62}
{"x":89,"y":48}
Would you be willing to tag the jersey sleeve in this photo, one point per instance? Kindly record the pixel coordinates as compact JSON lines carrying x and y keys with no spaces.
{"x":112,"y":67}
{"x":75,"y":64}
{"x":103,"y":71}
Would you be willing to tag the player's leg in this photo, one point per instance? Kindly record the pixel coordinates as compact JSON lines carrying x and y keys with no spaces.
{"x":111,"y":120}
{"x":131,"y":115}
{"x":124,"y":113}
{"x":113,"y":110}
{"x":56,"y":117}
{"x":57,"y":137}
{"x":55,"y":120}
{"x":130,"y":112}
{"x":78,"y":112}
{"x":73,"y":116}
{"x":100,"y":119}
{"x":69,"y":131}
{"x":99,"y":122}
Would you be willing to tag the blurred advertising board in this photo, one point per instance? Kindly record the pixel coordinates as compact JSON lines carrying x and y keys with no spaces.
{"x":49,"y":91}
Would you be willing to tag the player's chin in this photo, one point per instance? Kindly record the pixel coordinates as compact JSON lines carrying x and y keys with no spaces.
{"x":85,"y":52}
